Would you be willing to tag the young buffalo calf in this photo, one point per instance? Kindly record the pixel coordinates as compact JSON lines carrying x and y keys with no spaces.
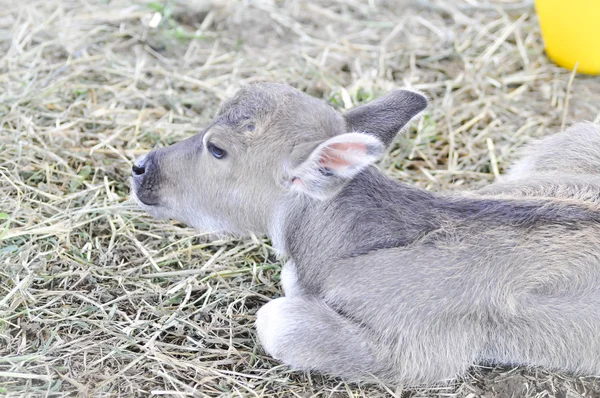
{"x":385,"y":279}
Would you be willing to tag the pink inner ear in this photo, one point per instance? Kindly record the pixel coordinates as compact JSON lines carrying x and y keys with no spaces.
{"x":333,"y":155}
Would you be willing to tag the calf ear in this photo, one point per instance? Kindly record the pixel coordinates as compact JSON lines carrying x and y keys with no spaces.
{"x":387,"y":115}
{"x":333,"y":163}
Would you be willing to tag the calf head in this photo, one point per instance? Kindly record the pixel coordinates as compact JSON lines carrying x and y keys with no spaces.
{"x":270,"y":143}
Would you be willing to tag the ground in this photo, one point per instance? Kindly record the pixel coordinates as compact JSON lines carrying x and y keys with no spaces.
{"x":98,"y":299}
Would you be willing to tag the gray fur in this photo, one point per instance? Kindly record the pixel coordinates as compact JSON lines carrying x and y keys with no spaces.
{"x":375,"y":118}
{"x":562,"y":166}
{"x":386,"y":280}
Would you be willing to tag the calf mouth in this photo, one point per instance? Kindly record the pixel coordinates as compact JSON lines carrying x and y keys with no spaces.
{"x":142,"y":202}
{"x":155,"y":209}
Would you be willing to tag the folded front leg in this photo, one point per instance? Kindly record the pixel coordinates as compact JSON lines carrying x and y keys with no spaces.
{"x":306,"y":334}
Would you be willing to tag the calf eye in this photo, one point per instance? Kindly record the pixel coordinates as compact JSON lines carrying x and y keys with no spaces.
{"x":251,"y":127}
{"x":216,"y":151}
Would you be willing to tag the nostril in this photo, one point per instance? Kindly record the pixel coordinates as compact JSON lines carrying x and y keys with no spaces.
{"x":137,"y":170}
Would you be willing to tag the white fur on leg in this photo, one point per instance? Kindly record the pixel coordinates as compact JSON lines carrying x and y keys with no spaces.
{"x":277,"y":229}
{"x":270,"y":324}
{"x":289,"y":280}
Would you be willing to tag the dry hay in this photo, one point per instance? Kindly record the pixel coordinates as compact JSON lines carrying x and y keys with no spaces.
{"x":97,"y":299}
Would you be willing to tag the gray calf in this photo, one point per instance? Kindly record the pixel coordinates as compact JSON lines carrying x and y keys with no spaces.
{"x":385,"y":279}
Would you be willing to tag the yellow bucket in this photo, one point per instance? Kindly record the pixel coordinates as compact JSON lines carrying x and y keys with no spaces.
{"x":571,"y":32}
